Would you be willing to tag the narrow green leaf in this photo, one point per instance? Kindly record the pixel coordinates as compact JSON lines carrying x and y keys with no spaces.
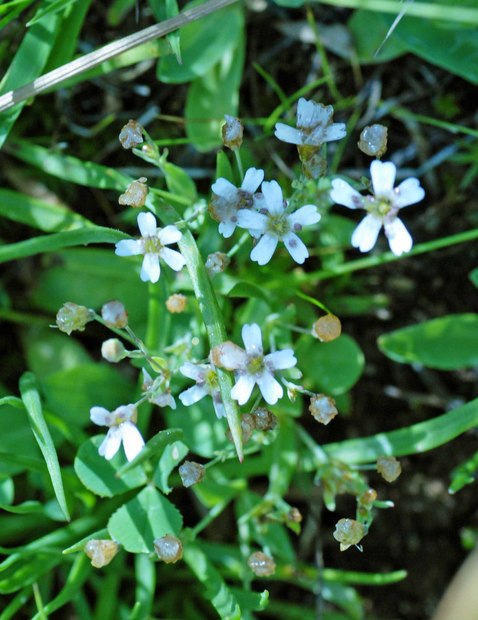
{"x":154,"y":447}
{"x":79,"y":545}
{"x":28,"y":569}
{"x":55,"y":6}
{"x":32,"y":402}
{"x":474,"y":276}
{"x":284,"y":462}
{"x":464,"y":474}
{"x":171,"y":457}
{"x":447,"y":343}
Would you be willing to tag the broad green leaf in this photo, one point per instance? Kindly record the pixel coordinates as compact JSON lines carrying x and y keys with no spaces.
{"x":45,"y":216}
{"x":50,"y":351}
{"x":224,"y":168}
{"x":203,"y":44}
{"x":7,"y":492}
{"x":31,"y":399}
{"x":143,"y":519}
{"x":154,"y":447}
{"x":447,"y":343}
{"x":284,"y":461}
{"x":101,"y":476}
{"x":333,"y":367}
{"x":369,"y":29}
{"x":18,"y":448}
{"x":179,"y":183}
{"x":173,"y":454}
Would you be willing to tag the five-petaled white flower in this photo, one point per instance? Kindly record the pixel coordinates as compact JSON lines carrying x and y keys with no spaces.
{"x":252,"y":366}
{"x":382,"y":207}
{"x":207,"y":384}
{"x":314,"y":125}
{"x":228,"y":199}
{"x":122,"y":428}
{"x":273,"y":224}
{"x":152,"y":244}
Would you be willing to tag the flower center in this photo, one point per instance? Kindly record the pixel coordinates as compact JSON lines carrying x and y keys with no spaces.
{"x":255,"y":364}
{"x":377,"y":206}
{"x":244,"y":199}
{"x":151,"y":245}
{"x":211,"y":380}
{"x":278,"y":225}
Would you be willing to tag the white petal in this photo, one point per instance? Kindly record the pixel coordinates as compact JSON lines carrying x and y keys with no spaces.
{"x":366,"y":233}
{"x":147,"y":224}
{"x":229,"y":356}
{"x":226,"y":228}
{"x":133,"y":443}
{"x":169,"y":234}
{"x":398,"y":236}
{"x":270,"y":388}
{"x":336,"y":131}
{"x":408,"y":193}
{"x":264,"y":249}
{"x":192,"y":395}
{"x":247,"y":218}
{"x":193,"y":371}
{"x":311,"y":114}
{"x":150,"y":270}
{"x":111,"y":443}
{"x":280,"y":360}
{"x":100,"y":416}
{"x":128,"y":247}
{"x":305,"y":216}
{"x":296,"y":247}
{"x":383,"y":177}
{"x":173,"y":258}
{"x":252,"y":179}
{"x":124,"y":412}
{"x":344,"y":194}
{"x":273,"y":196}
{"x":243,"y":388}
{"x":288,"y":134}
{"x":252,"y":339}
{"x":219,"y":408}
{"x":225,"y":189}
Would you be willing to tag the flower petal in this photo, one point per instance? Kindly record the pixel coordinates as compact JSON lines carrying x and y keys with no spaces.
{"x":226,"y":228}
{"x":270,"y":388}
{"x":288,"y":134}
{"x":311,"y":114}
{"x":147,"y":224}
{"x":280,"y":360}
{"x":398,"y":237}
{"x":408,"y":193}
{"x":225,"y":189}
{"x":128,"y":247}
{"x":192,"y":395}
{"x":219,"y":408}
{"x":252,"y":179}
{"x":383,"y":177}
{"x":111,"y":443}
{"x":133,"y":442}
{"x":273,"y":196}
{"x":247,"y":218}
{"x":173,"y":258}
{"x":101,"y":416}
{"x":229,"y":356}
{"x":242,"y":390}
{"x":296,"y":247}
{"x":305,"y":216}
{"x":252,"y":339}
{"x":193,"y":371}
{"x":150,"y":270}
{"x":264,"y":249}
{"x":169,"y":234}
{"x":344,"y":194}
{"x":336,"y":131}
{"x":366,"y":233}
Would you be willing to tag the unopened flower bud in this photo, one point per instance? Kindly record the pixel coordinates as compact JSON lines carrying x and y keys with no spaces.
{"x":135,"y":194}
{"x":101,"y":552}
{"x":217,"y":263}
{"x":168,"y":548}
{"x":112,"y":350}
{"x":176,"y":303}
{"x":131,"y":135}
{"x":114,"y":314}
{"x":389,"y":468}
{"x":261,"y":564}
{"x":349,"y":532}
{"x":368,"y":497}
{"x":327,"y":328}
{"x":373,"y":140}
{"x":294,"y":515}
{"x":264,"y":419}
{"x":191,"y":473}
{"x":247,"y":426}
{"x":232,"y":131}
{"x":72,"y":317}
{"x":323,"y":408}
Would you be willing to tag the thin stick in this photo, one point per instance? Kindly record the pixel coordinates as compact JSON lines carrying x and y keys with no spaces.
{"x":93,"y":59}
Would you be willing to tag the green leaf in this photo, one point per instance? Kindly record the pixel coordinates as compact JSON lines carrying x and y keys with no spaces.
{"x":18,"y":447}
{"x":447,"y":343}
{"x":474,"y":276}
{"x":101,"y":476}
{"x":31,"y":400}
{"x":179,"y":183}
{"x":50,"y":351}
{"x":7,"y":492}
{"x":173,"y":454}
{"x":369,"y":29}
{"x":143,"y":519}
{"x":464,"y":474}
{"x":154,"y":447}
{"x":334,"y":366}
{"x":24,"y":571}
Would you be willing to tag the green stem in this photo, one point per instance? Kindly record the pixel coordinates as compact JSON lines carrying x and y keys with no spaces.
{"x":209,"y":518}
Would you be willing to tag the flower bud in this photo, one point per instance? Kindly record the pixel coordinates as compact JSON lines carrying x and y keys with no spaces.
{"x":72,"y":317}
{"x":264,"y":419}
{"x":114,"y":314}
{"x":247,"y":426}
{"x":135,"y":194}
{"x":232,"y":131}
{"x":131,"y":135}
{"x":168,"y":548}
{"x":327,"y":328}
{"x":112,"y":350}
{"x":373,"y":140}
{"x":368,"y":497}
{"x":101,"y":552}
{"x":176,"y":303}
{"x":294,"y":515}
{"x":191,"y":473}
{"x":261,"y":564}
{"x":217,"y":263}
{"x":323,"y":408}
{"x":389,"y":468}
{"x":349,"y":532}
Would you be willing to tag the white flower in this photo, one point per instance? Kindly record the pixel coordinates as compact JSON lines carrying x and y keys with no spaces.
{"x":122,"y":428}
{"x":207,"y":384}
{"x":314,"y":125}
{"x":252,"y":366}
{"x":152,"y":244}
{"x":382,"y":207}
{"x":157,"y":390}
{"x":273,"y":224}
{"x":227,"y":199}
